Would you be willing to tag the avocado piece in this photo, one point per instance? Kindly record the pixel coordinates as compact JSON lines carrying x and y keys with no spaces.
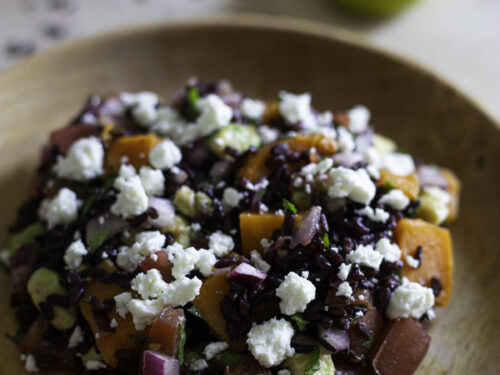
{"x":239,"y":137}
{"x":44,"y":282}
{"x":314,"y":363}
{"x":434,"y":205}
{"x":25,"y":237}
{"x":185,"y":201}
{"x":180,"y":230}
{"x":383,"y":144}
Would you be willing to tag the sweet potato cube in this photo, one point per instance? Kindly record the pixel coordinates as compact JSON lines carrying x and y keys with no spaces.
{"x":454,"y":190}
{"x":408,"y":184}
{"x":136,"y":148}
{"x":437,"y":254}
{"x":255,"y":226}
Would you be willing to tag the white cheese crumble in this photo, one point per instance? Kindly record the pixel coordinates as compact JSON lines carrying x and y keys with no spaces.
{"x":410,"y":300}
{"x":395,"y":199}
{"x":214,"y":115}
{"x":62,"y":209}
{"x":146,"y":243}
{"x":165,"y":155}
{"x":344,"y":290}
{"x":345,"y":140}
{"x":30,"y":364}
{"x":315,"y":169}
{"x":295,"y":293}
{"x":149,"y":284}
{"x":412,"y":262}
{"x":94,"y":365}
{"x":258,"y":262}
{"x":206,"y":262}
{"x":231,"y":198}
{"x":268,"y":134}
{"x":359,"y":117}
{"x":143,"y":106}
{"x":252,"y":109}
{"x":390,"y":251}
{"x":132,"y":199}
{"x":270,"y":342}
{"x":198,"y":365}
{"x":74,"y":254}
{"x":284,"y":371}
{"x":144,"y":312}
{"x":113,"y":323}
{"x":180,"y":292}
{"x":399,"y":164}
{"x":83,"y":162}
{"x":221,"y":244}
{"x":121,"y":301}
{"x":211,"y":350}
{"x":152,"y":180}
{"x":297,"y":108}
{"x":76,"y":338}
{"x":344,"y":270}
{"x":353,"y":184}
{"x":183,"y":260}
{"x":377,"y":215}
{"x":366,"y":256}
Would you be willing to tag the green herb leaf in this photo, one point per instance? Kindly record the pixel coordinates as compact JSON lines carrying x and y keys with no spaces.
{"x":368,"y":343}
{"x":192,"y":97}
{"x":313,"y":364}
{"x":98,"y":239}
{"x":389,"y":185}
{"x":227,"y":357}
{"x":16,"y":339}
{"x":399,"y":272}
{"x":194,"y":311}
{"x":300,"y":322}
{"x":326,"y":240}
{"x":182,"y":342}
{"x":287,"y":205}
{"x":25,"y":237}
{"x":87,"y":204}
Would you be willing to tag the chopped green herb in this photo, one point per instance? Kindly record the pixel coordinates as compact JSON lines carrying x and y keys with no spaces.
{"x":227,"y":357}
{"x":399,"y":272}
{"x":182,"y":342}
{"x":98,"y":239}
{"x":326,"y":240}
{"x":368,"y":343}
{"x":287,"y":205}
{"x":16,"y":339}
{"x":25,"y":237}
{"x":194,"y":311}
{"x":313,"y":363}
{"x":191,"y":110}
{"x":389,"y":185}
{"x":300,"y":322}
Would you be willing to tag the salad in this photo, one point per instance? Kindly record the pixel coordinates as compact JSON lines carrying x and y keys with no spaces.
{"x":221,"y":234}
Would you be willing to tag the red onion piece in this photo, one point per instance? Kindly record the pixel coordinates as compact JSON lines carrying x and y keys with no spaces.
{"x":335,"y":338}
{"x":431,"y":176}
{"x":64,"y":138}
{"x":111,"y":106}
{"x":347,"y":159}
{"x":22,"y":265}
{"x":364,"y":139}
{"x":308,"y":226}
{"x":165,"y":210}
{"x":159,"y":364}
{"x":246,"y":273}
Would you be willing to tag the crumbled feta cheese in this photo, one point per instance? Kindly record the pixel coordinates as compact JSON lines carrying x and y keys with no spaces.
{"x":180,"y":292}
{"x":297,"y":108}
{"x":144,"y":312}
{"x":165,"y":155}
{"x":373,"y":172}
{"x":198,"y":365}
{"x":359,"y":314}
{"x":221,"y":244}
{"x":434,"y":205}
{"x":76,"y":338}
{"x":373,"y":157}
{"x":231,"y":198}
{"x":149,"y":284}
{"x":132,"y":199}
{"x":295,"y":293}
{"x":377,"y":215}
{"x":252,"y":109}
{"x":317,"y":168}
{"x":345,"y":140}
{"x":168,"y":122}
{"x":121,"y":301}
{"x":412,"y":262}
{"x":325,"y":119}
{"x":270,"y":342}
{"x":344,"y":290}
{"x":268,"y":134}
{"x":410,"y":300}
{"x":152,"y":180}
{"x":146,"y":243}
{"x":366,"y":256}
{"x":62,"y":209}
{"x":83,"y":162}
{"x":344,"y":270}
{"x":305,"y":274}
{"x":284,"y":371}
{"x":265,"y":243}
{"x":258,"y":262}
{"x":359,"y":117}
{"x":211,"y":350}
{"x":390,"y":252}
{"x":30,"y":364}
{"x":183,"y":260}
{"x":431,"y":314}
{"x":206,"y":262}
{"x":143,"y":106}
{"x":113,"y":323}
{"x":214,"y":114}
{"x":354,"y":184}
{"x":94,"y":365}
{"x":74,"y":254}
{"x":399,"y":164}
{"x":395,"y":199}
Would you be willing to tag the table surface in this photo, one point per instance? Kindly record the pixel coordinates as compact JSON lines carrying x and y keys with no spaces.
{"x":457,"y":39}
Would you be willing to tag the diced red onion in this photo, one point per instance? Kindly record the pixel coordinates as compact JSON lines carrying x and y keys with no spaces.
{"x":233,"y":100}
{"x":64,"y":138}
{"x":111,"y":106}
{"x":347,"y":159}
{"x":308,"y":226}
{"x":335,"y":338}
{"x":431,"y":176}
{"x":364,"y":139}
{"x":159,"y":364}
{"x":247,"y":273}
{"x":165,"y":210}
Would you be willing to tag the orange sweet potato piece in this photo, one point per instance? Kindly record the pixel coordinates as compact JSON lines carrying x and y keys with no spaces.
{"x":256,"y":226}
{"x":437,"y":254}
{"x":271,"y":113}
{"x":136,"y":148}
{"x":162,"y":264}
{"x":255,"y":167}
{"x":454,"y":190}
{"x":408,"y":184}
{"x":208,"y":303}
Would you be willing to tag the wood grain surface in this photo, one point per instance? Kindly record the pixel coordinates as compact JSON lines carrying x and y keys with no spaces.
{"x":426,"y":116}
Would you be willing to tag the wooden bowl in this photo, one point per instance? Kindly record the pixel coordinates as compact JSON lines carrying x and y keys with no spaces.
{"x":426,"y":116}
